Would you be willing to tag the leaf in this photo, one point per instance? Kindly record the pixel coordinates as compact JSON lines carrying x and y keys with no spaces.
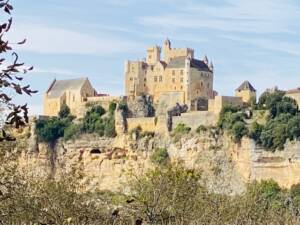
{"x":22,"y":42}
{"x":6,"y":9}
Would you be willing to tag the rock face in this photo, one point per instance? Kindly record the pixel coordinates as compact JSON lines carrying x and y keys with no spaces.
{"x":141,"y":106}
{"x":106,"y":163}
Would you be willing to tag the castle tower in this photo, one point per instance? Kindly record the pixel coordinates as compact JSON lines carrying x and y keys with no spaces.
{"x":246,"y":91}
{"x":153,"y":55}
{"x":166,"y":49}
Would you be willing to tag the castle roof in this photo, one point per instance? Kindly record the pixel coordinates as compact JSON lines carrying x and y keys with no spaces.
{"x":294,"y":91}
{"x":179,"y":62}
{"x":58,"y":87}
{"x":246,"y":86}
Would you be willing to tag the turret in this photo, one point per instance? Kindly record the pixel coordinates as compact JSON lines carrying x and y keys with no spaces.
{"x":205,"y":60}
{"x":153,"y":55}
{"x":211,"y":66}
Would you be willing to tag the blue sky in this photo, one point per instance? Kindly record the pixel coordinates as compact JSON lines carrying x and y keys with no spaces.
{"x":255,"y":40}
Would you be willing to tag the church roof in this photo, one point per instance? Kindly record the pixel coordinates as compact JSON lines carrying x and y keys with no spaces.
{"x":246,"y":86}
{"x":58,"y":87}
{"x":179,"y":62}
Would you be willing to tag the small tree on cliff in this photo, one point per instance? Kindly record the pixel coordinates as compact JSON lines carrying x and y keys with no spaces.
{"x":10,"y":78}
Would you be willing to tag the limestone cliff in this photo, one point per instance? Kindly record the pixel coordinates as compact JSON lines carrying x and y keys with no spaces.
{"x":105,"y":163}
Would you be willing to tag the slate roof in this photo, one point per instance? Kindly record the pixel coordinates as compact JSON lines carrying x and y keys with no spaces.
{"x":58,"y":87}
{"x":179,"y":62}
{"x":246,"y":86}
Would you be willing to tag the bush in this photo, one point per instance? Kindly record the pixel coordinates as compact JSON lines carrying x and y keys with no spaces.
{"x":109,"y":127}
{"x":64,"y":111}
{"x":50,"y":130}
{"x":238,"y":130}
{"x":201,"y":129}
{"x":181,"y":129}
{"x":112,"y":107}
{"x":160,"y":156}
{"x":72,"y":131}
{"x":255,"y":132}
{"x":123,"y":106}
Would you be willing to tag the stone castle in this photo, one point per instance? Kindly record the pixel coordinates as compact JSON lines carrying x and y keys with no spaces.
{"x":178,"y":72}
{"x":176,"y":79}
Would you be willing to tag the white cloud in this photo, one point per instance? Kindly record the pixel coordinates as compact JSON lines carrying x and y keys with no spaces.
{"x":43,"y":39}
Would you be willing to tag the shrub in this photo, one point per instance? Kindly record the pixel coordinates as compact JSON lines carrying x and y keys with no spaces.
{"x":238,"y":130}
{"x":64,"y":111}
{"x":255,"y":132}
{"x":181,"y":129}
{"x":50,"y":130}
{"x":72,"y":131}
{"x":112,"y":108}
{"x":160,"y":156}
{"x":123,"y":106}
{"x":109,"y":127}
{"x":201,"y":129}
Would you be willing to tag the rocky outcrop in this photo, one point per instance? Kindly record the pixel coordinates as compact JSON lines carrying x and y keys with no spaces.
{"x":141,"y":106}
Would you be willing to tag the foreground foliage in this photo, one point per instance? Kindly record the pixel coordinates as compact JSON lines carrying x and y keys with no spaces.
{"x":170,"y":194}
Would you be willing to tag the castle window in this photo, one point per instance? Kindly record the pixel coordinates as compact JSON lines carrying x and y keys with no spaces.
{"x":155,"y":79}
{"x":181,"y":87}
{"x":181,"y":79}
{"x":173,"y":80}
{"x":175,"y":88}
{"x":145,"y":79}
{"x":160,"y":78}
{"x":181,"y":72}
{"x":149,"y":56}
{"x":173,"y":72}
{"x":131,"y":78}
{"x":201,"y":84}
{"x":73,"y":98}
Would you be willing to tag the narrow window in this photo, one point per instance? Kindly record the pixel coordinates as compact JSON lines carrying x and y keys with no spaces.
{"x":73,"y":98}
{"x":160,"y":78}
{"x":155,"y":79}
{"x":181,"y":72}
{"x":173,"y":72}
{"x":145,"y":79}
{"x":181,"y":79}
{"x":173,"y":80}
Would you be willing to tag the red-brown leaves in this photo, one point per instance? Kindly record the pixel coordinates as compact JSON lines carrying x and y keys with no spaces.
{"x":10,"y":78}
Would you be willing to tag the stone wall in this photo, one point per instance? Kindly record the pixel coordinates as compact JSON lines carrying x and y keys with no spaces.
{"x":195,"y":119}
{"x":215,"y":105}
{"x":146,"y":123}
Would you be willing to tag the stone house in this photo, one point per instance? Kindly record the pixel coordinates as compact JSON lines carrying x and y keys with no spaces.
{"x":73,"y":92}
{"x":295,"y":94}
{"x":246,"y":91}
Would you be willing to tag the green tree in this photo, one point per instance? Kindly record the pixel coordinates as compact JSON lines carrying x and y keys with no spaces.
{"x":50,"y":130}
{"x":64,"y":111}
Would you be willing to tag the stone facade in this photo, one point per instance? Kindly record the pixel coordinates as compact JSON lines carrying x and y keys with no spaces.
{"x":178,"y":72}
{"x":295,"y":94}
{"x":70,"y":92}
{"x":215,"y":105}
{"x":246,"y":91}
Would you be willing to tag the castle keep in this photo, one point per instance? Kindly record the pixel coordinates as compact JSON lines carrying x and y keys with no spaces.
{"x":178,"y":72}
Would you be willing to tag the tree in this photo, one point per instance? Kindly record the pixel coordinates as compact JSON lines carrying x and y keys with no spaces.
{"x":64,"y":111}
{"x":10,"y":78}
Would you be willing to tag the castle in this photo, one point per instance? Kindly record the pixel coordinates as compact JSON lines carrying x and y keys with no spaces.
{"x":177,"y":78}
{"x":178,"y":72}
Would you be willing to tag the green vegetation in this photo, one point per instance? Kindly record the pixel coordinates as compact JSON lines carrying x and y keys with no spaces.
{"x":233,"y":119}
{"x":201,"y":129}
{"x":64,"y":126}
{"x":64,"y":111}
{"x":160,"y":156}
{"x":181,"y":129}
{"x":282,"y":122}
{"x":164,"y":195}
